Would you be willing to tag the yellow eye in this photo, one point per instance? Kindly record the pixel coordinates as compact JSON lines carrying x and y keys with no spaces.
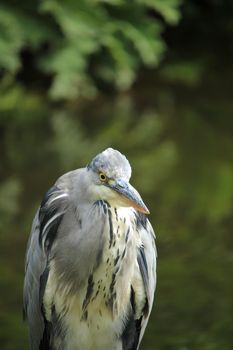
{"x":102,"y":177}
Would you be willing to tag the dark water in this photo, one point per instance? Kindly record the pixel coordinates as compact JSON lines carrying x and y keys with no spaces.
{"x":179,"y":143}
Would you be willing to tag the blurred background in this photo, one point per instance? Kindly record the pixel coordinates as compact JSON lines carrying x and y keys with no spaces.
{"x":154,"y":79}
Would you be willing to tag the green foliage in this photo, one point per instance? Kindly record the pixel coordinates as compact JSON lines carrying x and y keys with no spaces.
{"x":9,"y":201}
{"x":189,"y":73}
{"x":17,"y":32}
{"x":88,"y":41}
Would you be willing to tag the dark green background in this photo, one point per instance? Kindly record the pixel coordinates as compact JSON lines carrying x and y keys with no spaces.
{"x":167,"y":105}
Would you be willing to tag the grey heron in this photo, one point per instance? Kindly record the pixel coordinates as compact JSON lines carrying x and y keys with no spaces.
{"x":90,"y":270}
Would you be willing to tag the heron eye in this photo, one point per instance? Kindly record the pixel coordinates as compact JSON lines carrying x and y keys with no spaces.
{"x":102,"y":177}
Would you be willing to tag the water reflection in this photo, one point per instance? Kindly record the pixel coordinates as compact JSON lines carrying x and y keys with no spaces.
{"x":182,"y":166}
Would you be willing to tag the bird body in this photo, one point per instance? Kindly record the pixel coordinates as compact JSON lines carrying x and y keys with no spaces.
{"x":91,"y":261}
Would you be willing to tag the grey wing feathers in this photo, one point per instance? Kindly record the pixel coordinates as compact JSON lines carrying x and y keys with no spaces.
{"x":44,"y":229}
{"x":35,"y":265}
{"x":146,"y":260}
{"x":147,"y":255}
{"x":147,"y":265}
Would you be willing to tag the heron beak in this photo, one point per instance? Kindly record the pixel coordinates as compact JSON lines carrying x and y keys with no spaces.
{"x":129,"y":194}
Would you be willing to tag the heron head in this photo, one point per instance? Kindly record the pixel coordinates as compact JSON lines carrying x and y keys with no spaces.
{"x":110,"y":173}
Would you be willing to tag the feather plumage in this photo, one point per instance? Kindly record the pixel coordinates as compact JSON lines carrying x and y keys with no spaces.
{"x":90,"y":270}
